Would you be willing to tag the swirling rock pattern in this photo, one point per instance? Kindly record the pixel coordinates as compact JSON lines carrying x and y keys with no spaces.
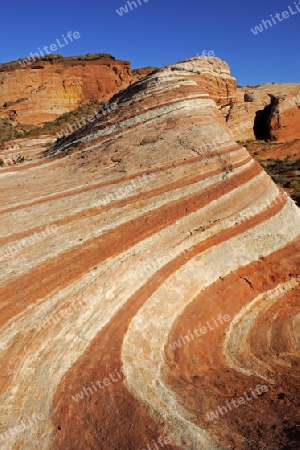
{"x":134,"y":232}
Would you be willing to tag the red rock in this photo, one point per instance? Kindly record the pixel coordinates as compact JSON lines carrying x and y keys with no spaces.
{"x":42,"y":91}
{"x":272,"y":111}
{"x":130,"y":234}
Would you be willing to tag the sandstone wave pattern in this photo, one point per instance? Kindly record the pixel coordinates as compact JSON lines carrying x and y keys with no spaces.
{"x":150,"y":278}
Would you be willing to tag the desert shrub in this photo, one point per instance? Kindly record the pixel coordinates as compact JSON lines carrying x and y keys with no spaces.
{"x":294,"y":184}
{"x":279,"y":179}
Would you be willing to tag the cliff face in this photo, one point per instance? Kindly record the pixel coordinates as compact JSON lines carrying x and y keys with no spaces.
{"x":284,"y":120}
{"x":150,"y":278}
{"x":43,"y":90}
{"x":273,"y":112}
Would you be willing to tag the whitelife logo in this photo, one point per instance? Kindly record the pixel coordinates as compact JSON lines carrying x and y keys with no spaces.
{"x":12,"y":432}
{"x":295,"y":100}
{"x":260,"y":390}
{"x":268,"y":23}
{"x":124,"y":9}
{"x":31,"y":240}
{"x":161,"y":441}
{"x":108,"y":107}
{"x":86,"y":391}
{"x":53,"y":48}
{"x":199,"y":332}
{"x":121,"y":193}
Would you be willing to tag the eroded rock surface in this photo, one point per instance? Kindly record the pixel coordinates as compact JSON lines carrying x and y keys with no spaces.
{"x":43,"y":90}
{"x":272,"y":109}
{"x":132,"y":233}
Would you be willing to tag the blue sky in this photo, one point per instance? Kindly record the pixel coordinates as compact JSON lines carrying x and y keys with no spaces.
{"x":160,"y":32}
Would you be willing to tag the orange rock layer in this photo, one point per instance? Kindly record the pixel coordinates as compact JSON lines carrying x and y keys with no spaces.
{"x":150,"y":282}
{"x":44,"y":90}
{"x":268,"y":112}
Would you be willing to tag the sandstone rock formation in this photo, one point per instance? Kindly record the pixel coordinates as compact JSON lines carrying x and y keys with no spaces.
{"x":272,"y":109}
{"x":45,"y":89}
{"x":130,"y":235}
{"x":23,"y":150}
{"x":10,"y":160}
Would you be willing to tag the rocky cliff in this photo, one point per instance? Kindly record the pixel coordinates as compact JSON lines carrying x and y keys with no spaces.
{"x":150,"y":282}
{"x":273,"y":112}
{"x":45,"y":89}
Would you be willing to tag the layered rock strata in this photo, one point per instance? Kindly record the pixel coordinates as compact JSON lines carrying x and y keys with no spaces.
{"x":272,"y":110}
{"x":149,"y":278}
{"x":43,"y":90}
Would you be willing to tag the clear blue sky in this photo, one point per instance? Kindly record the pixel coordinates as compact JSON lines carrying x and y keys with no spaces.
{"x":161,"y":32}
